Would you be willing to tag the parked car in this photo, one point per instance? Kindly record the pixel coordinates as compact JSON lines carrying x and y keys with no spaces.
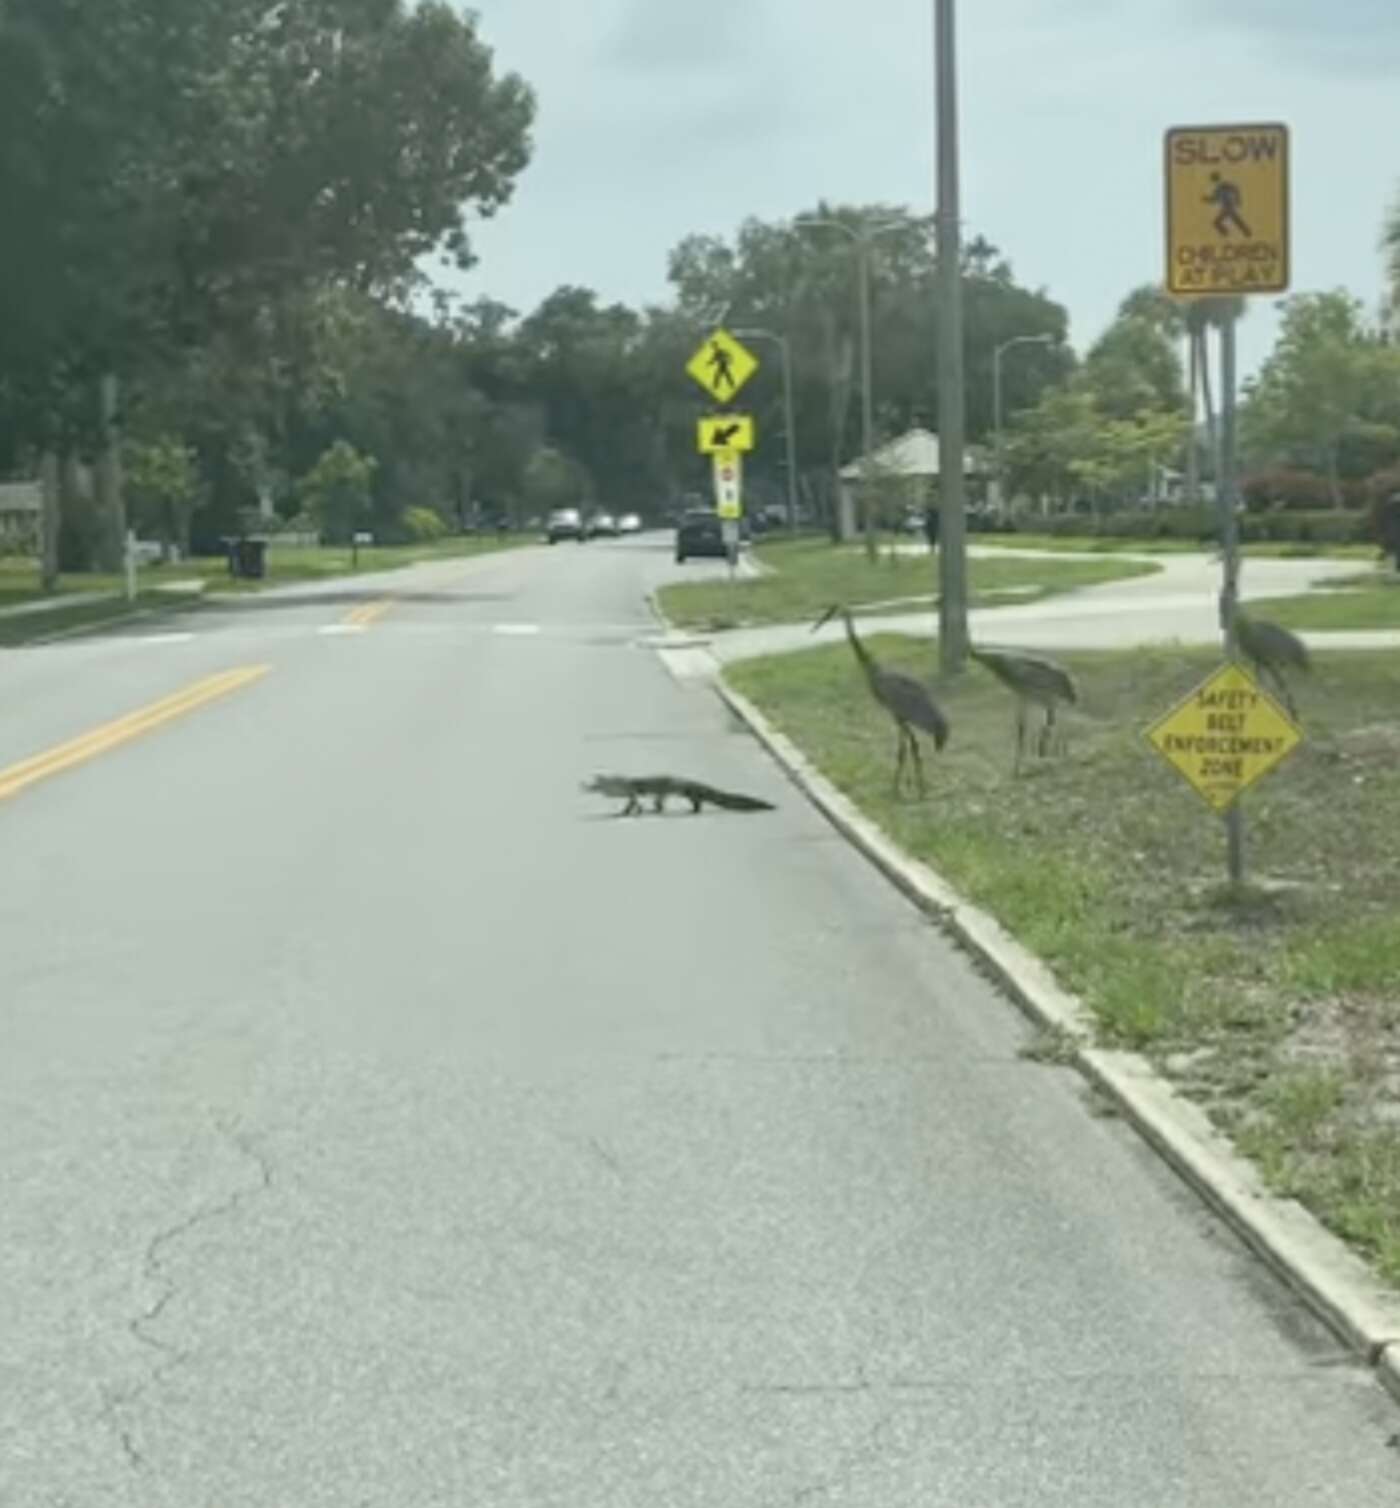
{"x":601,"y":525}
{"x":564,"y":523}
{"x":700,"y":533}
{"x":629,"y":523}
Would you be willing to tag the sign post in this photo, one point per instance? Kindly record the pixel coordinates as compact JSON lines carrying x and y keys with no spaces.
{"x":729,"y":500}
{"x":1227,"y":225}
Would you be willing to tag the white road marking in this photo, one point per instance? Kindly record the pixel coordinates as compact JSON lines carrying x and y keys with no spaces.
{"x":516,"y":630}
{"x":165,"y":639}
{"x":335,"y":630}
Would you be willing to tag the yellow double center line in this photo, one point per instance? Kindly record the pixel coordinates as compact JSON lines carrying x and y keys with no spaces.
{"x":112,"y":735}
{"x":368,"y":612}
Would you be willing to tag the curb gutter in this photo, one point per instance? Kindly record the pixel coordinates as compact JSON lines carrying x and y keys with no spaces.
{"x":1334,"y":1282}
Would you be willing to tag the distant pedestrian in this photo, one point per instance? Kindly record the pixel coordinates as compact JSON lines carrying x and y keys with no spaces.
{"x":932,"y":519}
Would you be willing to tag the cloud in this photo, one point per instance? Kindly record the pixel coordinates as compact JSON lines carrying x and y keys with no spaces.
{"x":684,"y":35}
{"x":1348,"y":34}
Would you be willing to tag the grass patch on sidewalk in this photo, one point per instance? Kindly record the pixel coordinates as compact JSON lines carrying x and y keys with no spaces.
{"x":1278,"y":1009}
{"x":808,"y":575}
{"x":1353,"y":602}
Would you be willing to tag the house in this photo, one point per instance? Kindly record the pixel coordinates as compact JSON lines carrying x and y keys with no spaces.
{"x":21,"y":508}
{"x":904,"y":474}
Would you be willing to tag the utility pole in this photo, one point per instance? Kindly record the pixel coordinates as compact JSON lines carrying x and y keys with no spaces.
{"x":50,"y":520}
{"x":1006,"y":345}
{"x":1230,"y":546}
{"x":111,"y":512}
{"x":862,"y":239}
{"x":789,"y":415}
{"x":952,"y":414}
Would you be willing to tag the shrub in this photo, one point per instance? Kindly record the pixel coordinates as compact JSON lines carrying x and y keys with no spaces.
{"x":423,"y":524}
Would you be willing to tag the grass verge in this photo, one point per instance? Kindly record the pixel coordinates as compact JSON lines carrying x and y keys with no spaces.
{"x":1356,"y":602}
{"x":79,"y":617}
{"x":286,"y":566}
{"x":1099,"y":544}
{"x":808,"y":575}
{"x":1277,"y":1009}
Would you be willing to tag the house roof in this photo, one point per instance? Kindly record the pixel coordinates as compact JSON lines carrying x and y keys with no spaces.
{"x":913,"y":454}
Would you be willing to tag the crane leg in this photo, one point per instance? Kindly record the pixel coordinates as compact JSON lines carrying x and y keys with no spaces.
{"x":918,"y":762}
{"x":1047,"y":732}
{"x":1020,"y":735}
{"x":1284,"y":691}
{"x":900,"y":752}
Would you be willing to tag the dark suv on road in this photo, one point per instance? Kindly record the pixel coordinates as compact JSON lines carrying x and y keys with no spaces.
{"x":701,"y":533}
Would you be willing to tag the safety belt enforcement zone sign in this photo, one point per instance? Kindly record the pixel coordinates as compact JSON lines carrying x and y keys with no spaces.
{"x":1227,"y":210}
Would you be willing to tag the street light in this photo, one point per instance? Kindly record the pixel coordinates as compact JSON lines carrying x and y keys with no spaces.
{"x":789,"y":423}
{"x":861,"y":238}
{"x":1006,"y":345}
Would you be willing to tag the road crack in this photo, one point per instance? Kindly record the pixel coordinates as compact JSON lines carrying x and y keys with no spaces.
{"x":156,"y":1275}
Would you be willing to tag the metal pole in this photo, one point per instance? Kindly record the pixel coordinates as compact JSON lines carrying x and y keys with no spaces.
{"x":790,"y":424}
{"x":789,"y":412}
{"x":867,"y":413}
{"x":952,"y":415}
{"x":1230,"y":553}
{"x":996,"y":416}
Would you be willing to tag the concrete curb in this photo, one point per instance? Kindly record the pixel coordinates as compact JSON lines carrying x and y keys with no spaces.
{"x":1315,"y":1264}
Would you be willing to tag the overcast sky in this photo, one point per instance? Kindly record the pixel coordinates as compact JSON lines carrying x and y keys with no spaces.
{"x":663,"y":117}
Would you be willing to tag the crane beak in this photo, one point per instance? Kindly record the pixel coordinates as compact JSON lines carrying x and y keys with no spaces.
{"x":826,"y":617}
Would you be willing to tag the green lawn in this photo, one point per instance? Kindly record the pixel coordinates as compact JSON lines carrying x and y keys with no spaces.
{"x":1279,"y":1010}
{"x":809,"y":575}
{"x":1113,"y":545}
{"x":1370,"y":601}
{"x":286,"y":565}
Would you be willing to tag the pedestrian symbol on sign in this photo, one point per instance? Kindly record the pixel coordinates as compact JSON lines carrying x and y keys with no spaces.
{"x":721,"y":367}
{"x":1228,"y":199}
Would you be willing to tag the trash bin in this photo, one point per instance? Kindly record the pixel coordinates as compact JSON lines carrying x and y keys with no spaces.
{"x":248,"y":559}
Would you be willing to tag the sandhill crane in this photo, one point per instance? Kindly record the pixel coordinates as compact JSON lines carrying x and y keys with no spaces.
{"x":906,"y":700}
{"x":1270,"y":648}
{"x":1033,"y":680}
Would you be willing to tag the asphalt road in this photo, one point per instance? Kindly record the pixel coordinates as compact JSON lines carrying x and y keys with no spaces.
{"x":385,"y":1125}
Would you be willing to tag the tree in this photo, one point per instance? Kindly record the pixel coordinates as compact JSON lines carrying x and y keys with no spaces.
{"x":162,"y":482}
{"x":1134,"y":367}
{"x":1328,"y":375}
{"x":336,"y":492}
{"x":182,"y":177}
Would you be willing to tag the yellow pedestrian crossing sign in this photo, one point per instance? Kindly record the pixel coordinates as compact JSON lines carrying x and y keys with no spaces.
{"x":726,"y":432}
{"x":722,"y":366}
{"x":1227,"y":209}
{"x":1226,"y":735}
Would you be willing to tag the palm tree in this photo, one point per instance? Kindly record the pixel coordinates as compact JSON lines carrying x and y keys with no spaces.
{"x":1390,"y":245}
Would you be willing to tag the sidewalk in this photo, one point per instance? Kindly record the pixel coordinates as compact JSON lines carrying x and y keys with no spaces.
{"x":1177,"y":604}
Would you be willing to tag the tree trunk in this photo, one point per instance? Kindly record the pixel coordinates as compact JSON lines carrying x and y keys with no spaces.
{"x":1334,"y":483}
{"x":111,"y":511}
{"x":49,"y":522}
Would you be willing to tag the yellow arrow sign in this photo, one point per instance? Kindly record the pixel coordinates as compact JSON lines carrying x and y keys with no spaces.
{"x":1227,"y":209}
{"x":726,"y":432}
{"x":1226,"y":735}
{"x":722,"y":366}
